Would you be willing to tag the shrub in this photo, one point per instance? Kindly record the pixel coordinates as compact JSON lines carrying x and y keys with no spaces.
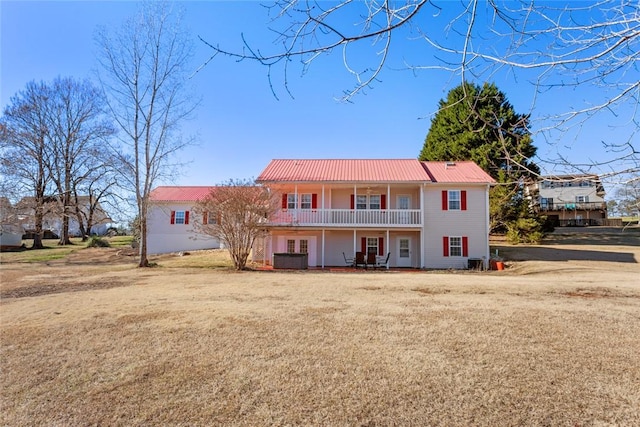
{"x":98,"y":242}
{"x":525,"y":230}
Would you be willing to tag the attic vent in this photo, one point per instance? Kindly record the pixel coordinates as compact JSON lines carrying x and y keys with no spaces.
{"x":449,"y":165}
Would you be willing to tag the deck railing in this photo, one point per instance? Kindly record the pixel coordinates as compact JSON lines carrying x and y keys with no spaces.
{"x":573,"y":206}
{"x":348,"y":217}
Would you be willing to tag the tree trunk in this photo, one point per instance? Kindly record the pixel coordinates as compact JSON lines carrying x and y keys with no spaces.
{"x":144,"y":261}
{"x":37,"y":237}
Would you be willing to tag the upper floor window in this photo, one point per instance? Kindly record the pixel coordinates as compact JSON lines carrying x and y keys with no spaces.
{"x":374,"y":201}
{"x":305,"y":201}
{"x":179,"y":217}
{"x":454,"y":200}
{"x":582,"y":199}
{"x":361,"y":202}
{"x":291,"y":201}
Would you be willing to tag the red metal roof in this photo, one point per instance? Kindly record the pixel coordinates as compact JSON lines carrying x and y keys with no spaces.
{"x":458,"y":172}
{"x":345,"y":170}
{"x":372,"y":170}
{"x":179,"y":193}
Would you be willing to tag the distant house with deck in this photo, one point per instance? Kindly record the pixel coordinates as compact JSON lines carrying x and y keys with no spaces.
{"x":569,"y":200}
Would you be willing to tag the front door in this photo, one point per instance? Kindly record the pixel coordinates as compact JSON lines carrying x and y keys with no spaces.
{"x":404,"y":252}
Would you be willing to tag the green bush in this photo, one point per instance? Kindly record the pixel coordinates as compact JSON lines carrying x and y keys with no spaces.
{"x":98,"y":242}
{"x":525,"y":230}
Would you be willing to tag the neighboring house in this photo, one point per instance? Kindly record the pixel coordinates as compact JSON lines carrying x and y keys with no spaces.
{"x":170,"y":220}
{"x":569,"y":200}
{"x":52,"y":219}
{"x":422,"y":214}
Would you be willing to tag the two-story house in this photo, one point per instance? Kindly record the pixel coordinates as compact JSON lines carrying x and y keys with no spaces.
{"x":170,"y":220}
{"x":420,"y":214}
{"x":569,"y":200}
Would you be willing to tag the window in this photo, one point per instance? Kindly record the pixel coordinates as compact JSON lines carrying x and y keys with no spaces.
{"x":291,"y":201}
{"x":304,"y":246}
{"x":372,"y":245}
{"x":454,"y":200}
{"x":361,"y":202}
{"x":374,"y":201}
{"x":291,"y":246}
{"x":455,"y":246}
{"x":582,"y":199}
{"x":305,"y":201}
{"x":179,"y":217}
{"x":546,"y":203}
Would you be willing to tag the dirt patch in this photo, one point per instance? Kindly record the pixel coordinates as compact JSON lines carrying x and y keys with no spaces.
{"x":55,"y":288}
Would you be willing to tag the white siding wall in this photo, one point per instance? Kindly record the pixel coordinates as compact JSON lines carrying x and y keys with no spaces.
{"x":472,"y":223}
{"x":164,"y":237}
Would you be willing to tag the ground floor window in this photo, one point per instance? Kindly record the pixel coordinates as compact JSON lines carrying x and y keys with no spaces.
{"x":304,"y":246}
{"x":455,"y":246}
{"x":291,"y":246}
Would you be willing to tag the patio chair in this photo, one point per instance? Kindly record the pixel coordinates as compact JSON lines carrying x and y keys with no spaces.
{"x":383,"y":263}
{"x":371,"y":259}
{"x":360,"y":260}
{"x":348,"y":261}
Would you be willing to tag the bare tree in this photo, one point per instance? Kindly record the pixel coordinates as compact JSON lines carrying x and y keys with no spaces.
{"x":78,"y":130}
{"x":24,"y":152}
{"x":236,"y":213}
{"x":144,"y":75}
{"x":548,"y":45}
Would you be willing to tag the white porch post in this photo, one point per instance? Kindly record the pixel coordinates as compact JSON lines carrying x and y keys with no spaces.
{"x":388,"y":247}
{"x":324,"y":214}
{"x":322,"y":261}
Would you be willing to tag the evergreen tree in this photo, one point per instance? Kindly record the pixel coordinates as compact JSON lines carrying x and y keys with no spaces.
{"x":479,"y":124}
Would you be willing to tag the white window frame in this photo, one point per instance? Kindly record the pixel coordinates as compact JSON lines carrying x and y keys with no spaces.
{"x":361,"y":202}
{"x":179,"y":217}
{"x":292,"y":201}
{"x":454,"y":197}
{"x":455,"y":250}
{"x":582,"y":199}
{"x":305,"y":201}
{"x":372,"y":197}
{"x":291,"y":246}
{"x":304,"y":246}
{"x":372,"y":242}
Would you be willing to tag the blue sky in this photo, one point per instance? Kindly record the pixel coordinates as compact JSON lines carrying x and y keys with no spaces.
{"x":240,"y":125}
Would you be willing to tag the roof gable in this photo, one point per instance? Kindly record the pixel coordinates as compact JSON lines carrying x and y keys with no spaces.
{"x":457,"y":172}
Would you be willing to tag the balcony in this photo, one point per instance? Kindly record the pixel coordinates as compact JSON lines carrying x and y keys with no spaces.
{"x":573,"y":206}
{"x":348,"y":218}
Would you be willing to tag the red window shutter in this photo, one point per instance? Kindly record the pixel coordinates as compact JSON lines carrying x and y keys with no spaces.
{"x":352,"y":202}
{"x":463,"y":200}
{"x":218,"y":218}
{"x":445,"y":200}
{"x":465,"y":246}
{"x":314,"y":201}
{"x":284,"y":201}
{"x":380,"y":246}
{"x":205,"y":218}
{"x":186,"y":217}
{"x":173,"y":217}
{"x":363,"y":245}
{"x":383,"y":201}
{"x":445,"y":246}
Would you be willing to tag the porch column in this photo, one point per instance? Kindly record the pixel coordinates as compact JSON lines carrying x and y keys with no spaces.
{"x":388,"y":248}
{"x":423,"y":220}
{"x":322,"y":258}
{"x":324,"y":214}
{"x":355,"y":243}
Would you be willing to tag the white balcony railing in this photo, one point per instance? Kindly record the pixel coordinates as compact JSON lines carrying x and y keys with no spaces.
{"x":348,"y":217}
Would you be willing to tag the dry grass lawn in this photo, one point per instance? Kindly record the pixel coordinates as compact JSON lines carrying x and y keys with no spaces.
{"x":553,"y":340}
